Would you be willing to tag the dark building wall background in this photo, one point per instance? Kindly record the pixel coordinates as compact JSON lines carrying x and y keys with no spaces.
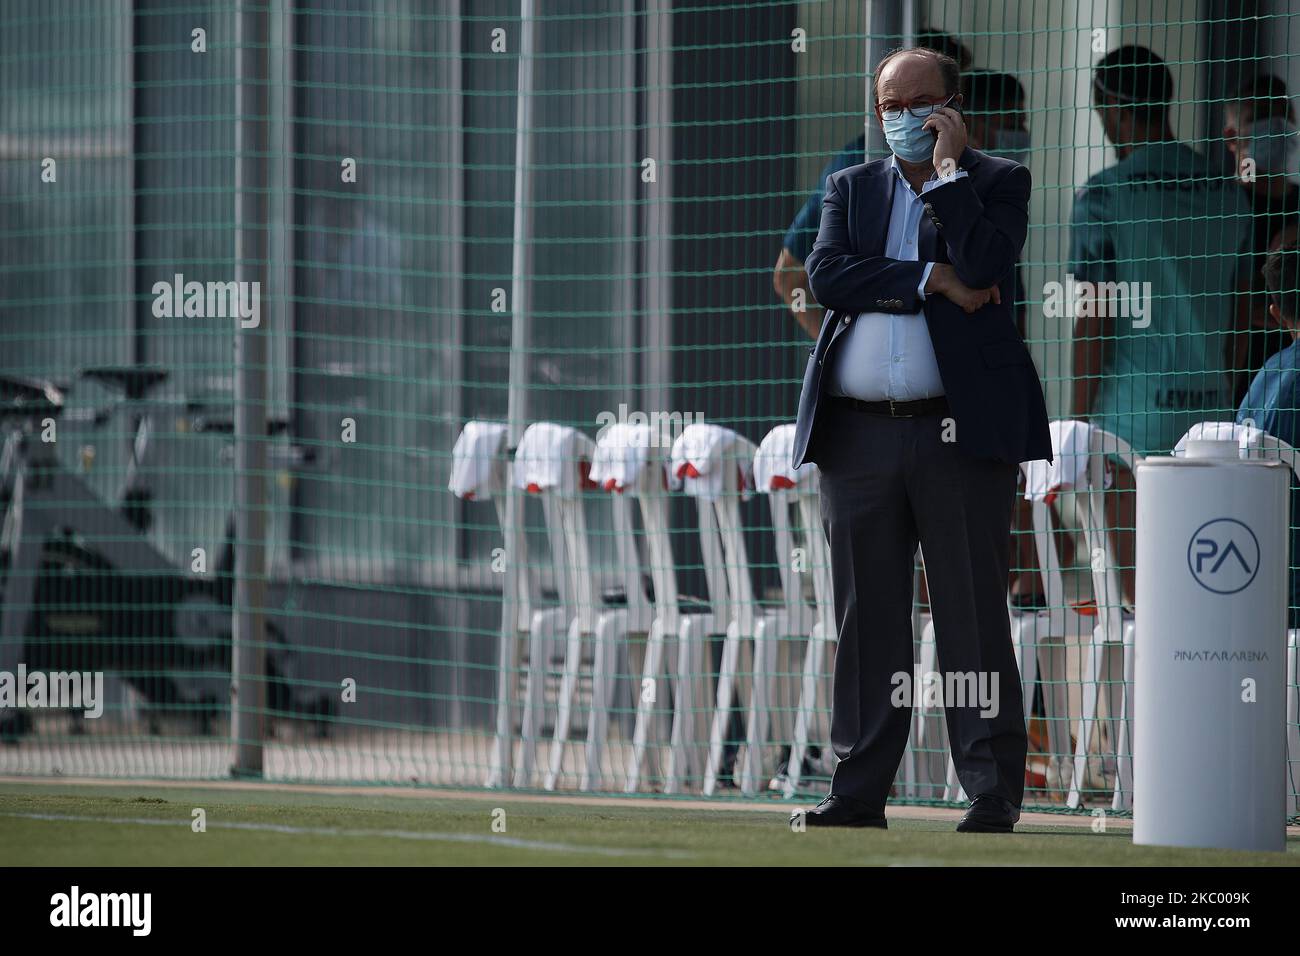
{"x":738,"y":356}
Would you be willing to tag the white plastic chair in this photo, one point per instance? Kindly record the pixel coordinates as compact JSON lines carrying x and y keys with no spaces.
{"x":1047,"y":631}
{"x":815,"y":685}
{"x":659,"y":668}
{"x":479,"y":472}
{"x":682,"y":660}
{"x":715,"y":465}
{"x":776,"y":632}
{"x":552,"y":462}
{"x":1114,"y":630}
{"x":629,"y":464}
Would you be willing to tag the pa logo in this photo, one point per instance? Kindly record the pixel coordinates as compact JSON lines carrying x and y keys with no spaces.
{"x":1223,"y":556}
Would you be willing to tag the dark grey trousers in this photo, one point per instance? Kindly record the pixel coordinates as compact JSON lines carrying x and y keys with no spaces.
{"x":887,"y":483}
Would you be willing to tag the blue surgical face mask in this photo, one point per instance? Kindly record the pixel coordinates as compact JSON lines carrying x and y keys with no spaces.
{"x":1275,"y":148}
{"x":1012,"y":144}
{"x":907,"y":139}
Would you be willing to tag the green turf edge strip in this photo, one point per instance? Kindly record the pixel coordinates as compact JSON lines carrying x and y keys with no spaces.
{"x":493,"y":840}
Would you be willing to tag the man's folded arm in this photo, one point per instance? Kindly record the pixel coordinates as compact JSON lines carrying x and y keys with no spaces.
{"x":851,"y":283}
{"x":984,"y":237}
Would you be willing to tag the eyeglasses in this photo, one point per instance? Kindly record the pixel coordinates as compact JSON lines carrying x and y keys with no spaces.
{"x":920,"y":112}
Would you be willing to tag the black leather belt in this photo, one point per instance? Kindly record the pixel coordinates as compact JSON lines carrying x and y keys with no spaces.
{"x":924,"y":406}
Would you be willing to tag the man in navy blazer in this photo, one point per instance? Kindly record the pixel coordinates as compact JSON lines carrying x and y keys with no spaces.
{"x":919,"y":401}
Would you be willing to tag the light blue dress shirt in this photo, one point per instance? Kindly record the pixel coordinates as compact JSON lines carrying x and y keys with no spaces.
{"x":886,"y":355}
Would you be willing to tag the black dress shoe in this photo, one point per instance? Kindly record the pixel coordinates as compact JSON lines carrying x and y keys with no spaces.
{"x":989,"y":814}
{"x":840,"y":812}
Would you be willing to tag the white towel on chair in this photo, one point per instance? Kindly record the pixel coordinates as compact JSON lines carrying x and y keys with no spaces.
{"x":1246,"y":436}
{"x":553,"y":457}
{"x":474,"y":460}
{"x":1071,"y":444}
{"x":709,"y":450}
{"x":772,"y":461}
{"x":622,"y":452}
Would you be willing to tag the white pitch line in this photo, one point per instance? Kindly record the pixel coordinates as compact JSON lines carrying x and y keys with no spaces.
{"x":492,"y":840}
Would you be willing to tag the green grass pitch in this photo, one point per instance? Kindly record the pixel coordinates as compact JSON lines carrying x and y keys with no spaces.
{"x":91,"y":825}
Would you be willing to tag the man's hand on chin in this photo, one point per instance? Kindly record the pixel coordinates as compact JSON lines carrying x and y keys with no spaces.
{"x":943,"y":281}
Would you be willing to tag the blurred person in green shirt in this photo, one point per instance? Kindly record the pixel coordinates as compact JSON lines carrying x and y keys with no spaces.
{"x":1165,"y":234}
{"x":1158,"y":242}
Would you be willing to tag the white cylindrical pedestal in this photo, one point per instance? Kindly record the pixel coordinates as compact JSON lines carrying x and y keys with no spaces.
{"x":1209,"y":735}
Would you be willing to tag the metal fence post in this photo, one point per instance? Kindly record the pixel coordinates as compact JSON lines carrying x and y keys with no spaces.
{"x":499,"y":771}
{"x":248,"y":622}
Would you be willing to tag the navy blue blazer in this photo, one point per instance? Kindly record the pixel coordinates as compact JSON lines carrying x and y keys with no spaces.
{"x":978,"y":225}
